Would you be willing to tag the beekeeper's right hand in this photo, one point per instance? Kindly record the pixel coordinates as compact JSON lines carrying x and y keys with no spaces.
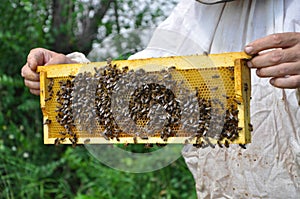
{"x":40,"y":57}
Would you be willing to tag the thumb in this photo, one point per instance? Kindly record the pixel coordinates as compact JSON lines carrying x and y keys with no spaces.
{"x":38,"y":57}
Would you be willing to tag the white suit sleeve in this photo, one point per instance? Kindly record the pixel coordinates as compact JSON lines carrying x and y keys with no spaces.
{"x":78,"y":57}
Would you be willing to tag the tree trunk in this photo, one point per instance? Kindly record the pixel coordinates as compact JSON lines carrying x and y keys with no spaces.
{"x":89,"y":33}
{"x":64,"y":26}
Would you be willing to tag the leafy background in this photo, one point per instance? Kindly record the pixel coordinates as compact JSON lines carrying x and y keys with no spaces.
{"x":30,"y":169}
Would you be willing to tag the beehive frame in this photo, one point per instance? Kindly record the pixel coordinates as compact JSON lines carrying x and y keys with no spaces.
{"x":184,"y":66}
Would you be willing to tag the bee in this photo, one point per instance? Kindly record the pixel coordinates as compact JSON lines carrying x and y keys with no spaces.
{"x":118,"y":139}
{"x":236,"y":101}
{"x":250,"y":127}
{"x":135,"y":140}
{"x":57,"y":141}
{"x":226,"y":144}
{"x":73,"y":141}
{"x":207,"y":108}
{"x":209,"y":142}
{"x":70,"y":132}
{"x":144,"y":137}
{"x":62,"y":133}
{"x":197,"y":91}
{"x":186,"y":141}
{"x":148,"y":145}
{"x":47,"y":121}
{"x":219,"y":144}
{"x":168,"y":76}
{"x":160,"y":145}
{"x":215,"y":76}
{"x":214,"y":88}
{"x":171,"y":68}
{"x":245,"y":87}
{"x":108,"y":61}
{"x":86,"y":141}
{"x":68,"y":83}
{"x":225,"y":96}
{"x":96,"y":70}
{"x":51,"y":93}
{"x":105,"y":136}
{"x":235,"y":112}
{"x":48,"y":99}
{"x":125,"y":69}
{"x":50,"y":85}
{"x":200,"y":144}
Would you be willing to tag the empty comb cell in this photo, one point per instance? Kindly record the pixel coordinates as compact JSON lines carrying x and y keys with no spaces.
{"x":202,"y":100}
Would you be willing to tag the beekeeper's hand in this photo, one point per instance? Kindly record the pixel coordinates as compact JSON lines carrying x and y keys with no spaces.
{"x":277,"y":56}
{"x":40,"y":57}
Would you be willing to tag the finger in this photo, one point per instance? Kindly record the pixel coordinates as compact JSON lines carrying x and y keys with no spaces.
{"x":35,"y":58}
{"x":280,"y":70}
{"x":279,"y":40}
{"x":274,"y":57}
{"x":32,"y":84}
{"x":286,"y":82}
{"x":38,"y":57}
{"x":59,"y":59}
{"x":35,"y":92}
{"x":28,"y":74}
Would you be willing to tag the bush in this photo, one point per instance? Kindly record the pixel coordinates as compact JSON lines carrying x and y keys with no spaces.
{"x":30,"y":169}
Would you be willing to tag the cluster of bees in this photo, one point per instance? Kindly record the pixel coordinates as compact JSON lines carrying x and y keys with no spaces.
{"x":85,"y":103}
{"x":65,"y":113}
{"x":107,"y":78}
{"x":157,"y":105}
{"x":215,"y":125}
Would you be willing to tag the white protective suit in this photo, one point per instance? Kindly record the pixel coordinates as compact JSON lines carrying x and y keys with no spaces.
{"x":270,"y":166}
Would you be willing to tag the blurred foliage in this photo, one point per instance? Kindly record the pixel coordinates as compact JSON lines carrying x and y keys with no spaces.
{"x":21,"y":29}
{"x":30,"y":169}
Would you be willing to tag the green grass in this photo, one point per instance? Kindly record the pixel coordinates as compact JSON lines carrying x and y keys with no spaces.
{"x":76,"y":174}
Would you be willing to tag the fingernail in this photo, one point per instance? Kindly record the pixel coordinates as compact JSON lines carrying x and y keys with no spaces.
{"x":249,"y":64}
{"x":248,"y":49}
{"x":258,"y":72}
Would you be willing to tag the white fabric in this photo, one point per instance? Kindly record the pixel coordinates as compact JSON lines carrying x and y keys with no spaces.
{"x":78,"y":57}
{"x":270,"y":166}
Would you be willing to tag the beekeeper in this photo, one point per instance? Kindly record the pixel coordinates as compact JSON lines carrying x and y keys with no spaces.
{"x":269,"y":29}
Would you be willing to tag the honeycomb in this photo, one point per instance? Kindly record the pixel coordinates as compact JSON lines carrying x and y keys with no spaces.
{"x":203,"y":100}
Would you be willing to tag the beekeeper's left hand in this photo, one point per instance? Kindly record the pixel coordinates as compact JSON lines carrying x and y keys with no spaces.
{"x":277,"y":56}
